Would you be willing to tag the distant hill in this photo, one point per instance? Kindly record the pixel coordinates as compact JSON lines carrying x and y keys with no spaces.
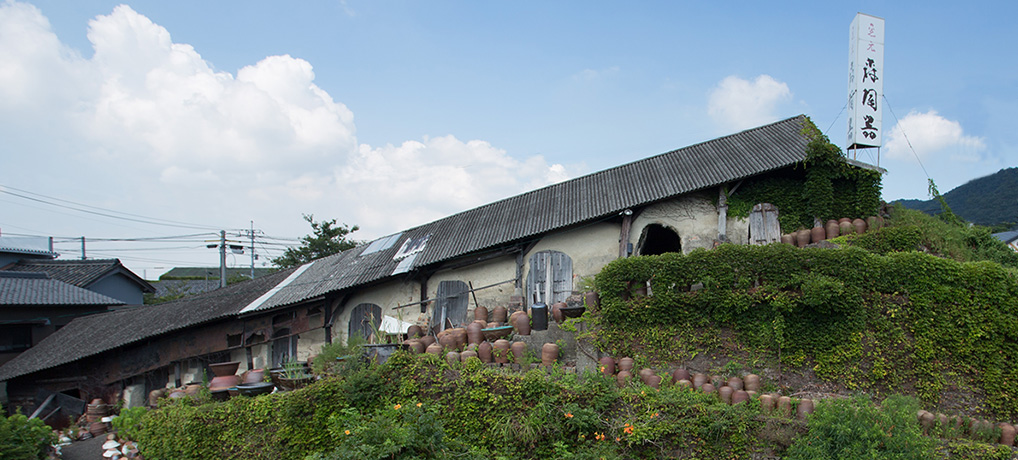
{"x":990,"y":201}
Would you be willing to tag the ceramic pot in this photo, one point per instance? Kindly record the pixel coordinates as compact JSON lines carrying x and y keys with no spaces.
{"x":626,"y":364}
{"x":871,"y":223}
{"x":817,"y":234}
{"x":645,"y":374}
{"x":607,"y":366}
{"x":434,"y":349}
{"x":414,"y":332}
{"x":681,"y":374}
{"x":699,"y":380}
{"x":447,"y":341}
{"x":623,"y":378}
{"x":735,"y":383}
{"x":654,"y":381}
{"x":556,"y":311}
{"x":549,"y":354}
{"x":223,"y":382}
{"x":802,"y":238}
{"x":474,"y":334}
{"x":416,"y":345}
{"x":519,"y":350}
{"x":859,"y":226}
{"x":485,"y":352}
{"x":224,"y":369}
{"x":845,"y":228}
{"x":481,"y":313}
{"x":788,"y":238}
{"x":467,"y":355}
{"x":253,"y":376}
{"x":708,"y":388}
{"x":804,"y":409}
{"x":1007,"y":434}
{"x":685,"y":383}
{"x":844,"y":220}
{"x":522,"y":323}
{"x":452,"y":357}
{"x":740,"y":396}
{"x":427,"y":340}
{"x":591,"y":300}
{"x":725,"y":393}
{"x":513,"y":315}
{"x":766,"y":404}
{"x":500,"y":349}
{"x":831,"y":230}
{"x":499,"y":314}
{"x":784,"y":408}
{"x":752,"y":382}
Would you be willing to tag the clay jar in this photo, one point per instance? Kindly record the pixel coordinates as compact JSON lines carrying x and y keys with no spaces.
{"x":804,"y":409}
{"x":485,"y":352}
{"x":680,"y":374}
{"x":467,"y":355}
{"x":607,"y":366}
{"x":499,"y":314}
{"x":802,"y":238}
{"x":416,"y":345}
{"x":224,"y":369}
{"x":752,"y":382}
{"x":474,"y":334}
{"x":500,"y":350}
{"x":817,"y":234}
{"x":735,"y":383}
{"x":414,"y":332}
{"x":859,"y":225}
{"x":740,"y":396}
{"x":427,"y":340}
{"x":519,"y":350}
{"x":832,"y":229}
{"x":623,"y":377}
{"x":549,"y":353}
{"x":785,"y":406}
{"x":699,"y":380}
{"x":726,"y":394}
{"x":684,"y":383}
{"x":447,"y":341}
{"x":434,"y":349}
{"x":788,"y":238}
{"x":257,"y":375}
{"x":654,"y":381}
{"x":591,"y":300}
{"x":481,"y":314}
{"x":626,"y":364}
{"x":707,"y":388}
{"x":452,"y":357}
{"x":522,"y":323}
{"x":556,"y":311}
{"x":767,"y":404}
{"x":1007,"y":434}
{"x":645,"y":374}
{"x":845,"y":227}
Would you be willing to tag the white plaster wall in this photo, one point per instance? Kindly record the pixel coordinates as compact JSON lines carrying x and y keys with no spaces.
{"x":310,"y":343}
{"x":737,"y":230}
{"x":590,"y":248}
{"x":387,"y":296}
{"x":260,"y":355}
{"x":241,"y":356}
{"x":480,"y":275}
{"x":694,"y":218}
{"x":135,"y":396}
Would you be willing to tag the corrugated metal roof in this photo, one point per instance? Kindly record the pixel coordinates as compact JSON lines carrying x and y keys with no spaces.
{"x":90,"y":335}
{"x":18,"y":290}
{"x":33,"y":245}
{"x":81,"y":273}
{"x":573,"y":202}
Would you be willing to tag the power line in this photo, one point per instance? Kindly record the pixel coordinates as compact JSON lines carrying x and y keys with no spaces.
{"x":101,"y":211}
{"x":903,"y":134}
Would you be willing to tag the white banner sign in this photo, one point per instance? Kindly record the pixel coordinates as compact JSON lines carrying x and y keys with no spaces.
{"x":865,"y":81}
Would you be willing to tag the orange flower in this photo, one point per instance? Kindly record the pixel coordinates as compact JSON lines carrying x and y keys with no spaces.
{"x":628,"y":429}
{"x":397,"y":406}
{"x":569,"y":415}
{"x":653,"y":415}
{"x":418,"y":404}
{"x":347,"y":431}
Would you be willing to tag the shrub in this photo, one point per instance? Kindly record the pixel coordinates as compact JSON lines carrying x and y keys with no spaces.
{"x":858,"y":429}
{"x":22,"y":438}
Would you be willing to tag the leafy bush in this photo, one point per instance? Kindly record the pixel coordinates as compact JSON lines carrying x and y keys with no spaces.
{"x":128,"y":423}
{"x":22,"y":438}
{"x":856,"y":428}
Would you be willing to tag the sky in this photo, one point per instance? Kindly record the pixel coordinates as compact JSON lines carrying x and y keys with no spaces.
{"x":148,"y":126}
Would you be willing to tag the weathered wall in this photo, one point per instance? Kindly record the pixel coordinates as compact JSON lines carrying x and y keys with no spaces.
{"x":386,"y":296}
{"x":590,"y":248}
{"x":694,"y":218}
{"x":480,"y":275}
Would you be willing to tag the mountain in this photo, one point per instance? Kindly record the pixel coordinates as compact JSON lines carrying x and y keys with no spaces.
{"x":991,"y":200}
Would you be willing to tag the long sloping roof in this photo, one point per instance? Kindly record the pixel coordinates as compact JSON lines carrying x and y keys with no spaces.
{"x":81,"y":273}
{"x":90,"y":335}
{"x":30,"y":289}
{"x":573,"y":202}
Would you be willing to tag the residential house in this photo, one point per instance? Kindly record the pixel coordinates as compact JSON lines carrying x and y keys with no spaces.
{"x":1009,"y":238}
{"x":104,"y":276}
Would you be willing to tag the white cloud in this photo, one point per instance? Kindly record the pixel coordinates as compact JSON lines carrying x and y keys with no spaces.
{"x":591,"y":74}
{"x":932,"y":135}
{"x":157,"y":126}
{"x":737,"y":104}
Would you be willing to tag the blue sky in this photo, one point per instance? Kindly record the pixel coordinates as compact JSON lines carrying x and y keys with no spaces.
{"x":391,"y":114}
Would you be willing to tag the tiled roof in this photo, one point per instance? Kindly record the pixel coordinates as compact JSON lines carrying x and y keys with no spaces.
{"x":90,"y":335}
{"x":81,"y":273}
{"x":213,"y":272}
{"x":25,"y":289}
{"x":1007,"y":237}
{"x":29,"y":245}
{"x":574,"y":202}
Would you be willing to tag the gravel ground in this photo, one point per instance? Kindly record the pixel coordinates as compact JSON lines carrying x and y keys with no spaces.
{"x":89,"y":449}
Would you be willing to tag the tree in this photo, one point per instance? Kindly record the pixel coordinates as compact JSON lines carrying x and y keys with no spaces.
{"x":326,"y":239}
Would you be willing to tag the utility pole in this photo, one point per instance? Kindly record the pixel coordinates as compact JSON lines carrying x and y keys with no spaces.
{"x":222,"y":258}
{"x":252,"y":250}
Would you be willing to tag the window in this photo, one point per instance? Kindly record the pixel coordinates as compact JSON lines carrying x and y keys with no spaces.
{"x":15,"y":338}
{"x":450,"y":305}
{"x":550,"y":278}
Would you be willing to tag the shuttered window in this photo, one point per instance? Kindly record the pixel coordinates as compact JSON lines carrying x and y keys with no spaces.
{"x":550,"y":278}
{"x":451,"y":304}
{"x":364,"y":319}
{"x":763,"y":224}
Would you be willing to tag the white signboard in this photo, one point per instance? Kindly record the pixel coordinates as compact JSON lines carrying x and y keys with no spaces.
{"x":865,"y":81}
